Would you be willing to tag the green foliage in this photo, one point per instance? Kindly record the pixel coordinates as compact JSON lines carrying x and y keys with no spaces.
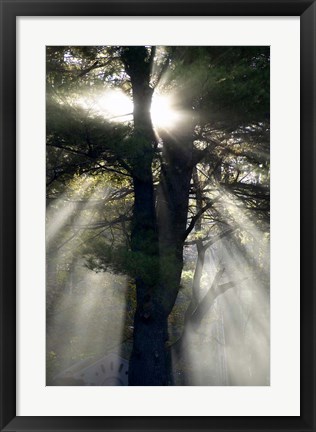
{"x":101,"y":256}
{"x":187,"y":278}
{"x":225,"y":85}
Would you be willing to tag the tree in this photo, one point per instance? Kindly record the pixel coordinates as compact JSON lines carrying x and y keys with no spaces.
{"x":224,"y":95}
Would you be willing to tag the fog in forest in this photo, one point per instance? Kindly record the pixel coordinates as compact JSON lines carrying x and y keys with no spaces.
{"x":157,"y":216}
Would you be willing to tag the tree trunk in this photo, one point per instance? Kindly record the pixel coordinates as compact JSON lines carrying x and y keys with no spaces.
{"x":149,"y":364}
{"x":173,"y":202}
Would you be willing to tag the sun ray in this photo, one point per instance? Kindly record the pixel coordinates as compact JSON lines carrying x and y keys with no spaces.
{"x":241,"y":314}
{"x":86,"y":311}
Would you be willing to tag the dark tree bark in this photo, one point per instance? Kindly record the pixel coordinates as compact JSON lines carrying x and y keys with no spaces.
{"x":173,"y":201}
{"x":149,"y":364}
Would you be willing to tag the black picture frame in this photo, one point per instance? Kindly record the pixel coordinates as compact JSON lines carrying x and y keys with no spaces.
{"x":306,"y":9}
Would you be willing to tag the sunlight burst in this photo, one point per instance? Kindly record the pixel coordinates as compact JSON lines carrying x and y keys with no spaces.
{"x":163,"y":114}
{"x":118,"y":107}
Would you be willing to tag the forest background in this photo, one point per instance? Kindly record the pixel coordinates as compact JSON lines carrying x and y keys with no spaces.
{"x":158,"y":225}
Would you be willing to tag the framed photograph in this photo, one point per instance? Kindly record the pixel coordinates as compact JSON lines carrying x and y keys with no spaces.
{"x":149,"y":280}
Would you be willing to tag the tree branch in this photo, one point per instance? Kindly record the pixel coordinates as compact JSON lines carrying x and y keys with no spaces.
{"x":218,"y":237}
{"x":198,"y":215}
